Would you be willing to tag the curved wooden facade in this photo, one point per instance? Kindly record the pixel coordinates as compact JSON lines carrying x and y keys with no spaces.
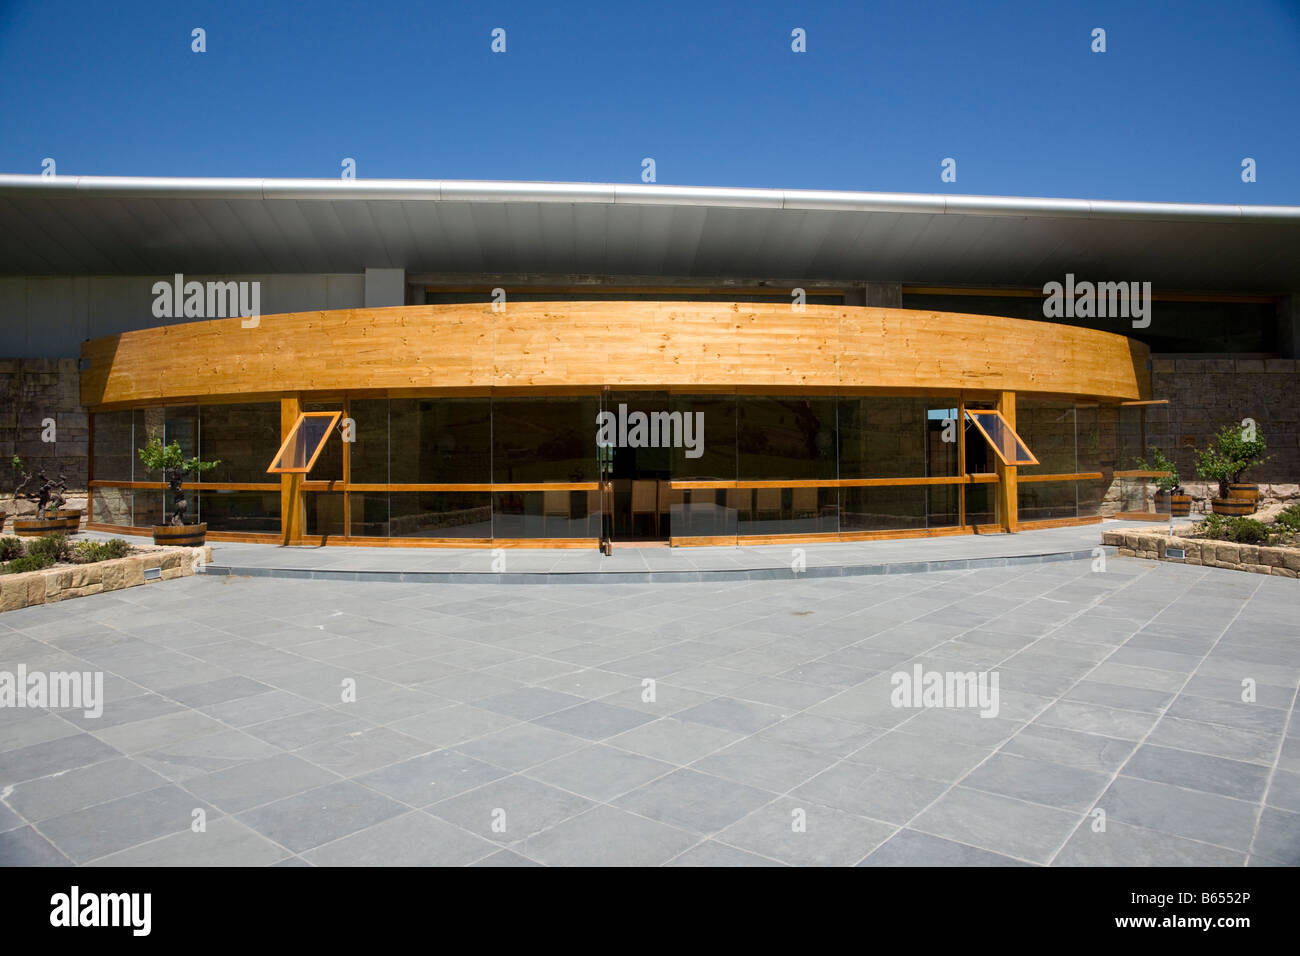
{"x":348,"y":356}
{"x":617,"y":344}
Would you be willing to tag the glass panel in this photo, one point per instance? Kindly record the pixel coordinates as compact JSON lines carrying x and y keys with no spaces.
{"x":181,"y":425}
{"x":147,"y":508}
{"x":114,"y":451}
{"x":242,"y":437}
{"x":310,"y":432}
{"x":323,"y":512}
{"x":781,"y":437}
{"x":329,"y":464}
{"x":250,"y":512}
{"x":888,"y":437}
{"x":942,"y":505}
{"x":438,"y":441}
{"x":788,"y":510}
{"x":707,"y":512}
{"x":715,"y":421}
{"x":369,"y":453}
{"x":543,"y":439}
{"x":1050,"y":429}
{"x":884,"y":509}
{"x":429,"y":514}
{"x":546,"y":514}
{"x":1044,"y":500}
{"x":1002,"y":438}
{"x":112,"y":505}
{"x":1089,"y":495}
{"x":981,"y":503}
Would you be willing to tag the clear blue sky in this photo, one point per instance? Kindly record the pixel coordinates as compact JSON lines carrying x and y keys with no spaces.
{"x":711,"y":91}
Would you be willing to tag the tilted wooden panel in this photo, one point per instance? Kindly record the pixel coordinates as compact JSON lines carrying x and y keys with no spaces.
{"x":621,"y":344}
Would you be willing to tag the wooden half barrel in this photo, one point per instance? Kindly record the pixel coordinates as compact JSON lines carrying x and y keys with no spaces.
{"x":1179,"y":506}
{"x":1244,"y":490}
{"x":183,"y":536}
{"x":35,"y":527}
{"x":1233,"y":506}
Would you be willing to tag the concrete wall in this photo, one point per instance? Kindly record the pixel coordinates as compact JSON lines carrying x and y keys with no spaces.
{"x":50,"y":316}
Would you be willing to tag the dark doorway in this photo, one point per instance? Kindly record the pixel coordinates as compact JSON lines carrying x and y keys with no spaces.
{"x":637,"y":467}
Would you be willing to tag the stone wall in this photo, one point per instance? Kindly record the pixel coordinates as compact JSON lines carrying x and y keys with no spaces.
{"x":1154,"y":546}
{"x":32,"y":390}
{"x":1207,"y":393}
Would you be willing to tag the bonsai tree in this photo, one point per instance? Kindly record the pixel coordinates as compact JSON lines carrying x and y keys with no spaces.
{"x":1230,"y":454}
{"x":171,"y":461}
{"x":1170,"y":485}
{"x":38,"y":488}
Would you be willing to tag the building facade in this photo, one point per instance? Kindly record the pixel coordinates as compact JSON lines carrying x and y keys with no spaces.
{"x":479,"y":364}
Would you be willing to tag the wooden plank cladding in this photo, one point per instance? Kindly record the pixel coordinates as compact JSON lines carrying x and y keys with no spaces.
{"x":674,"y":345}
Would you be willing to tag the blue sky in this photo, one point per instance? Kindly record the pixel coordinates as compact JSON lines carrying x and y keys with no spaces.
{"x":711,"y":91}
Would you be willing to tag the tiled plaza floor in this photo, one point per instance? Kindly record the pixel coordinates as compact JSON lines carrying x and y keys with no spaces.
{"x":502,"y":725}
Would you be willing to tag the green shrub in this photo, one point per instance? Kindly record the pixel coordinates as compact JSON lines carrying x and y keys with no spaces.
{"x":1289,"y":519}
{"x":30,"y":562}
{"x":1238,"y":529}
{"x":88,"y":552}
{"x":10,"y":548}
{"x":54,"y":546}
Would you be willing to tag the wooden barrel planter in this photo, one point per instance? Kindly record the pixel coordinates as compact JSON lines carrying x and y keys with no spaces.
{"x":184,"y":535}
{"x":1233,"y":506}
{"x":1179,"y":506}
{"x":1245,"y":491}
{"x":35,"y":527}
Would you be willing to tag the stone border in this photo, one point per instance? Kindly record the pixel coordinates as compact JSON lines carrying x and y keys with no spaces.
{"x":61,"y":583}
{"x":1258,"y":559}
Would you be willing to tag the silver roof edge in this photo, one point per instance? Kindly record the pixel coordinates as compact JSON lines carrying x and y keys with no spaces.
{"x":647,"y":194}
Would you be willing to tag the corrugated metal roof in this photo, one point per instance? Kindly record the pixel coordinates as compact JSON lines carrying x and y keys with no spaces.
{"x":93,"y":225}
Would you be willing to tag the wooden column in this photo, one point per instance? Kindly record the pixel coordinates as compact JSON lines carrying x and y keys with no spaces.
{"x":291,"y":516}
{"x":1008,"y":502}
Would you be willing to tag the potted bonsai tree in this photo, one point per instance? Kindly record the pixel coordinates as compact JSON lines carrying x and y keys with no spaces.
{"x":1169,"y":489}
{"x":47,"y":494}
{"x":1231,"y":452}
{"x":171,"y":461}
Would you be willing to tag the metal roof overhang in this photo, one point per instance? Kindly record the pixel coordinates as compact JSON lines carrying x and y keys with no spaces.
{"x":107,"y":225}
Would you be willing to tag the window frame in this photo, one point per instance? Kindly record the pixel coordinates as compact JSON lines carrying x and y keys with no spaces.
{"x":334,"y":417}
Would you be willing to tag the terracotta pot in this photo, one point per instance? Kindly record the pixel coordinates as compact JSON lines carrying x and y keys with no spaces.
{"x":1179,"y":506}
{"x":35,"y":527}
{"x":185,"y":535}
{"x":1233,"y":506}
{"x":1244,"y":490}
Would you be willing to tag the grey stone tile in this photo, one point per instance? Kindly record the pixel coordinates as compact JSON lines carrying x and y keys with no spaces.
{"x":599,"y":772}
{"x":527,"y":703}
{"x":124,"y":710}
{"x":1284,"y":791}
{"x":911,"y":848}
{"x":1235,"y":714}
{"x":937,"y":758}
{"x":225,"y":842}
{"x":1081,"y":751}
{"x":1123,"y":845}
{"x":510,"y":809}
{"x":711,"y":853}
{"x":1038,"y":781}
{"x":698,"y":802}
{"x":216,"y":692}
{"x":72,"y":790}
{"x":505,"y":858}
{"x":674,"y":740}
{"x":594,"y":720}
{"x":23,"y":846}
{"x":432,"y":777}
{"x":604,"y":836}
{"x":449,"y":726}
{"x":35,"y":727}
{"x":258,"y":782}
{"x":520,"y":747}
{"x":258,"y":709}
{"x":821,"y":734}
{"x":739,"y":716}
{"x":1193,"y":771}
{"x":1278,"y":839}
{"x":1186,"y":813}
{"x":801,"y":833}
{"x":766,"y":764}
{"x":320,"y":816}
{"x":53,"y":756}
{"x":1248,"y":745}
{"x":361,"y":750}
{"x":1097,"y":719}
{"x":412,"y":839}
{"x":1001,"y":824}
{"x":1118,"y":695}
{"x":157,"y":732}
{"x":104,"y":828}
{"x":871,"y":792}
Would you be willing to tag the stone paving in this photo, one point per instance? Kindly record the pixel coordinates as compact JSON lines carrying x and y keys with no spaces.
{"x":505,"y":725}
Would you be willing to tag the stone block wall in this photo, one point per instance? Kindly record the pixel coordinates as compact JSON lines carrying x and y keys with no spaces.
{"x":32,"y":390}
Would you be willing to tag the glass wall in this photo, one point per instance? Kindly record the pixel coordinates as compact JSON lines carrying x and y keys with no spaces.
{"x":694,"y":465}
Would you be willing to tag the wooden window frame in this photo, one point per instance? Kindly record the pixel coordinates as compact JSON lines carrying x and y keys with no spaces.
{"x":293,"y":432}
{"x":973,"y":415}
